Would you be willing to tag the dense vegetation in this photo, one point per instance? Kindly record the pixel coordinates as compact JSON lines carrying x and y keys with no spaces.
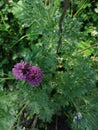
{"x":61,"y":38}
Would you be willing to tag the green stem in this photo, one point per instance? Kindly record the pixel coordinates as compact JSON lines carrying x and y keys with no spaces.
{"x":78,"y":11}
{"x":67,"y":41}
{"x":6,"y":78}
{"x":2,"y":18}
{"x":18,"y":115}
{"x":20,"y":39}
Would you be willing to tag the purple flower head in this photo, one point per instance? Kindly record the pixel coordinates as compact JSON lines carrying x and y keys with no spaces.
{"x":35,"y":75}
{"x":20,"y":70}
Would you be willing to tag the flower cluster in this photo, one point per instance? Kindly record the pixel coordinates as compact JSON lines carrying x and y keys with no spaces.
{"x":24,"y":71}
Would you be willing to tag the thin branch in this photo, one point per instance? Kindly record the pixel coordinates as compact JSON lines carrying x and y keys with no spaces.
{"x":71,"y":7}
{"x":34,"y":123}
{"x":92,"y":46}
{"x":46,"y":127}
{"x":56,"y":126}
{"x":60,"y":25}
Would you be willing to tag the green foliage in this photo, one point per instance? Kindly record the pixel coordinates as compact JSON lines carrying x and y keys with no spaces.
{"x":7,"y":111}
{"x":30,"y":31}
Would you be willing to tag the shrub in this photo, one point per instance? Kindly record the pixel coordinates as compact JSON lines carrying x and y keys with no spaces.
{"x":58,"y":39}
